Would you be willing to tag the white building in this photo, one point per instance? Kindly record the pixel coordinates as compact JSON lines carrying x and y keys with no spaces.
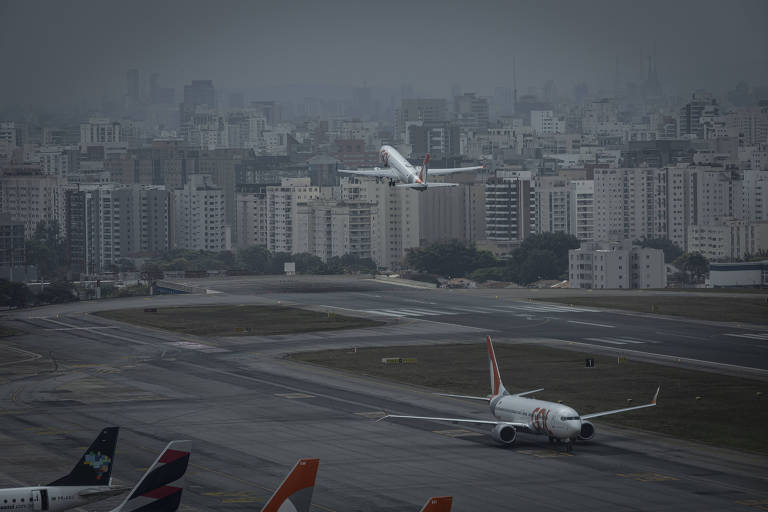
{"x":728,"y":241}
{"x":544,"y":122}
{"x":753,"y":273}
{"x":616,"y":265}
{"x":100,"y":132}
{"x":199,"y":217}
{"x":328,"y":228}
{"x":395,"y":221}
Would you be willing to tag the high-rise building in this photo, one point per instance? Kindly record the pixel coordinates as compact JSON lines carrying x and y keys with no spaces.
{"x":471,"y":112}
{"x":100,"y":132}
{"x":419,"y":111}
{"x":281,"y":209}
{"x":616,"y":265}
{"x":199,"y":216}
{"x":32,"y":198}
{"x":109,"y":222}
{"x":510,"y":207}
{"x":12,"y":248}
{"x":200,"y":93}
{"x":328,"y":228}
{"x":689,"y":119}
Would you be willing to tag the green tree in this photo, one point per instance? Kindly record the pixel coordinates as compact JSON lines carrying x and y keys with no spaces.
{"x":56,"y":293}
{"x":482,"y":275}
{"x":253,"y":259}
{"x":694,"y":265}
{"x":14,"y":294}
{"x":552,"y":248}
{"x":451,"y":258}
{"x":671,"y":250}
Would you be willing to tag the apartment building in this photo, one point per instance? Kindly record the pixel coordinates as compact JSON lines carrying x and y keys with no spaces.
{"x":616,"y":265}
{"x":199,"y":216}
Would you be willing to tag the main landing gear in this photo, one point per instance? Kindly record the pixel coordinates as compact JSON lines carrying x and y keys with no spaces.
{"x":567,"y":444}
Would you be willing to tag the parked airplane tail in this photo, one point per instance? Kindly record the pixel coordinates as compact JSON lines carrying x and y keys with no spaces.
{"x":95,"y":466}
{"x":497,"y":387}
{"x":295,"y":493}
{"x":438,"y":504}
{"x":159,"y":490}
{"x":424,"y":169}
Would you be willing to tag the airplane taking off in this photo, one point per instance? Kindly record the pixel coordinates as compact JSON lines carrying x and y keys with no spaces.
{"x":90,"y":480}
{"x":159,"y":490}
{"x":398,"y":169}
{"x":516,"y":413}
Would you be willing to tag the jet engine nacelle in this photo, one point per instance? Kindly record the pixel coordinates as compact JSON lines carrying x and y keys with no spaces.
{"x":505,"y":434}
{"x":587,"y":431}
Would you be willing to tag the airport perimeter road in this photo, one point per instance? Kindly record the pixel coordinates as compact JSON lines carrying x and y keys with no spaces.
{"x":507,"y":314}
{"x":251,"y":415}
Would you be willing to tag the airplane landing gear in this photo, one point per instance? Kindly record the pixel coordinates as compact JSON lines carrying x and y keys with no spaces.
{"x":568,"y":446}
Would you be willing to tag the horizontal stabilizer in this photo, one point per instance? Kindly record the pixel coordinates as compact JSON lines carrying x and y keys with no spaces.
{"x":483,"y":398}
{"x":528,"y":392}
{"x":422,"y":186}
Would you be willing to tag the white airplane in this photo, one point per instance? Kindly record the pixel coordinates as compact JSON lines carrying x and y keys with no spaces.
{"x":160,"y":489}
{"x":515,"y":413}
{"x":398,"y":169}
{"x":295,"y":492}
{"x":89,"y":481}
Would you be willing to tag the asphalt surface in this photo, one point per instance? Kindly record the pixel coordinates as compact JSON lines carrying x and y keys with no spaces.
{"x":252,"y":414}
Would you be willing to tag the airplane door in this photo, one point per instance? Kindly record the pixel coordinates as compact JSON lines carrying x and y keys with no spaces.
{"x":43,"y":499}
{"x":36,"y":500}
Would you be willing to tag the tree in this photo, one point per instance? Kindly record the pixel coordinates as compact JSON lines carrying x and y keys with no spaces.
{"x":694,"y":265}
{"x":56,"y":293}
{"x":14,"y":294}
{"x":551,"y":248}
{"x":46,"y":250}
{"x":253,"y":259}
{"x":451,"y":258}
{"x":671,"y":250}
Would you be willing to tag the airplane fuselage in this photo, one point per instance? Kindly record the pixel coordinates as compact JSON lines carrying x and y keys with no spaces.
{"x":406,"y":172}
{"x":548,"y":418}
{"x":52,"y":498}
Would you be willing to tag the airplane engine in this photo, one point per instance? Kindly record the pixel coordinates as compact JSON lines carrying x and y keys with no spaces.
{"x":505,"y":434}
{"x":587,"y":431}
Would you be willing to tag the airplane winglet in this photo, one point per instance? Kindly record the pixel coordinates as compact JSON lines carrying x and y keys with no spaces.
{"x":656,"y":395}
{"x":438,"y":504}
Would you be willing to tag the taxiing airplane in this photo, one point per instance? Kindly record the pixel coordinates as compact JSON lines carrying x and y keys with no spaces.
{"x":159,"y":490}
{"x":400,"y":172}
{"x":295,"y":492}
{"x":516,"y":413}
{"x":90,"y":480}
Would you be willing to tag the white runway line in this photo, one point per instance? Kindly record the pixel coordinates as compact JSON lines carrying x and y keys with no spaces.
{"x":607,"y":340}
{"x":590,"y":323}
{"x":763,"y":336}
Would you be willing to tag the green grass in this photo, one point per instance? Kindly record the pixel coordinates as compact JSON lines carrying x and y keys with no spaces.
{"x":248,"y":320}
{"x":730,"y":411}
{"x":719,"y":309}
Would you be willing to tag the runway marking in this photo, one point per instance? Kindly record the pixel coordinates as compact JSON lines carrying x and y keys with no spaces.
{"x":648,"y":477}
{"x":457,"y":432}
{"x":667,"y":333}
{"x":294,"y":396}
{"x":607,"y":340}
{"x":761,"y":504}
{"x":32,"y":356}
{"x":591,"y":323}
{"x":81,"y":328}
{"x":374,"y":415}
{"x":190,"y":345}
{"x":763,"y":336}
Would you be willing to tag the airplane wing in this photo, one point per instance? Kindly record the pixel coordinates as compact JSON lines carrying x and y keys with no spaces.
{"x":483,"y":398}
{"x":373,"y":173}
{"x":450,"y":170}
{"x":458,"y":420}
{"x":104,"y":493}
{"x":625,"y":409}
{"x":422,"y":186}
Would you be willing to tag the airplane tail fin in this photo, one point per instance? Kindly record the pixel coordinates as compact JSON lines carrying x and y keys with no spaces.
{"x":497,"y":387}
{"x":438,"y":504}
{"x":95,"y":466}
{"x":424,"y":169}
{"x":295,"y":493}
{"x":159,"y":490}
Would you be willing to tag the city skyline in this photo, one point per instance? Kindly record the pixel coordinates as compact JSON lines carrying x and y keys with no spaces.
{"x":84,"y":51}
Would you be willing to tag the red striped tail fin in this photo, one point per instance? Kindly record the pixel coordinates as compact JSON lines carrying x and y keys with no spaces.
{"x":424,"y":169}
{"x":159,"y":490}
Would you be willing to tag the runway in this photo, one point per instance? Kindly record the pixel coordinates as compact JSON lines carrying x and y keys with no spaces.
{"x":252,"y":414}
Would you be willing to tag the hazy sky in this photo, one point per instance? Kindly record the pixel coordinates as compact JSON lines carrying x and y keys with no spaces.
{"x":62,"y":50}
